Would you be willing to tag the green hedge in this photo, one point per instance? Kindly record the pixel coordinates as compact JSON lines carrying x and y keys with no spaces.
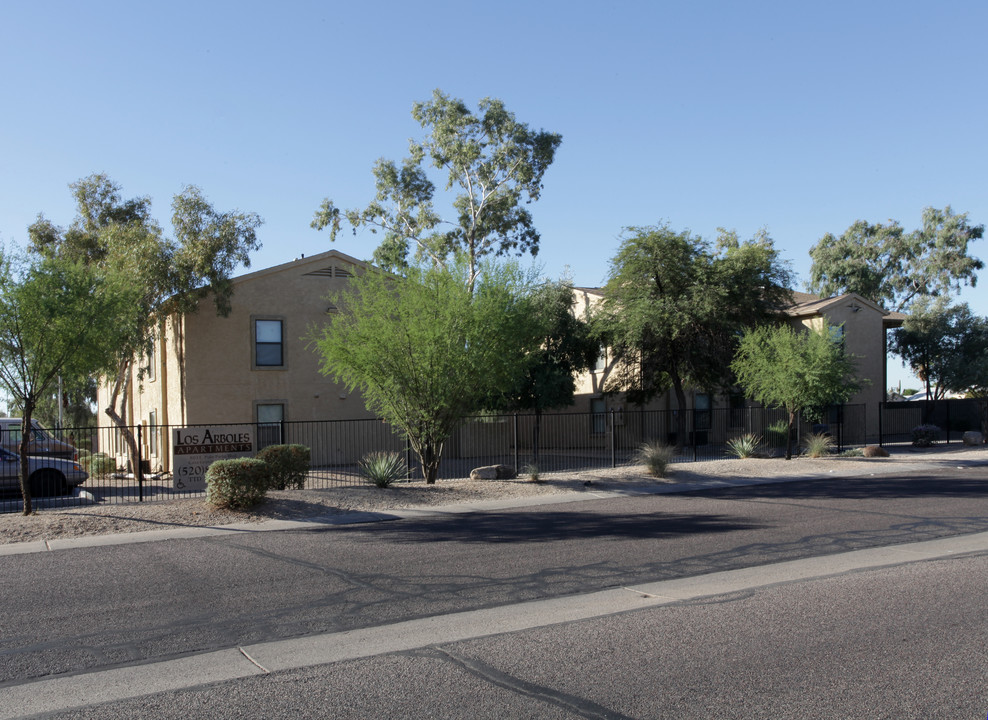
{"x":99,"y":464}
{"x":288,"y":465}
{"x":237,"y":484}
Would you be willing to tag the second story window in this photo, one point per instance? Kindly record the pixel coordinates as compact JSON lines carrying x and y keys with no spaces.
{"x":269,"y":349}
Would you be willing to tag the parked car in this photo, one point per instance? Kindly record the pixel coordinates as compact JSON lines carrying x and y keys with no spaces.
{"x":42,"y":442}
{"x":46,"y":475}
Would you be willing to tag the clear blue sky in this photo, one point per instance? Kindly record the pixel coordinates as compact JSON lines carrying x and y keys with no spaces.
{"x":796,"y":117}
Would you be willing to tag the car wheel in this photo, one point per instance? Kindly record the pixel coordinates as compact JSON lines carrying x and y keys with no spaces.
{"x":47,"y":483}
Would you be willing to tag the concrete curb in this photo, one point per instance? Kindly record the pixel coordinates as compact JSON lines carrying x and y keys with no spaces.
{"x":105,"y":686}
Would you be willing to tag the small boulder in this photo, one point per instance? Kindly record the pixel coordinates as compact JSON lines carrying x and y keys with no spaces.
{"x":872,"y":451}
{"x":973,"y":437}
{"x":493,"y":472}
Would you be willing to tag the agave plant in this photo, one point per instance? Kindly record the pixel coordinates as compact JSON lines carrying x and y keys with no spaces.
{"x":383,"y":468}
{"x":744,"y":446}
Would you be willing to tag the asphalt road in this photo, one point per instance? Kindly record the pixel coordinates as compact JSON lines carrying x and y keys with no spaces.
{"x":903,"y":642}
{"x":85,"y":609}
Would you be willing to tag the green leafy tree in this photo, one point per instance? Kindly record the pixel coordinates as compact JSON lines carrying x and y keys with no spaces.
{"x":424,"y":351}
{"x":803,"y":372}
{"x":78,"y":404}
{"x":931,"y":341}
{"x":493,"y":166}
{"x":892,"y":267}
{"x":674,"y":308}
{"x":166,"y":276}
{"x":566,"y":348}
{"x":57,"y":317}
{"x":971,"y":376}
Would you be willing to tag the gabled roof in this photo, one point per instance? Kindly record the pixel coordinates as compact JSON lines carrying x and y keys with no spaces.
{"x":331,"y":263}
{"x":809,"y":305}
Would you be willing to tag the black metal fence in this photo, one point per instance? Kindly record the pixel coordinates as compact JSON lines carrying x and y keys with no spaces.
{"x":554,"y":442}
{"x":953,"y":416}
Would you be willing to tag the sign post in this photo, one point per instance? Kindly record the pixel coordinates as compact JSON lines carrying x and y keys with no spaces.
{"x":195,"y":449}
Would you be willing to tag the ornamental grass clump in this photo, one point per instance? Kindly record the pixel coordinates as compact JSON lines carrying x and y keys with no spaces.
{"x":818,"y":445}
{"x":744,"y":446}
{"x":288,"y":465}
{"x":532,"y":472}
{"x":655,"y":456}
{"x":383,"y":468}
{"x":237,"y":484}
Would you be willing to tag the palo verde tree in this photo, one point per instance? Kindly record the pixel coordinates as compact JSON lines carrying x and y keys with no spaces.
{"x":802,"y":372}
{"x":565,"y":348}
{"x":423,"y":350}
{"x":892,"y":267}
{"x":493,"y":167}
{"x":58,"y":317}
{"x":674,"y":308}
{"x":166,"y":276}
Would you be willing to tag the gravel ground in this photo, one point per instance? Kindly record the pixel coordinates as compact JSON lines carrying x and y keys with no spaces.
{"x":49,"y":524}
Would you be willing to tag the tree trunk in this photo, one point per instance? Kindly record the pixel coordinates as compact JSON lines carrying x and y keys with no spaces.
{"x":430,"y":453}
{"x":789,"y":433}
{"x":121,"y":387}
{"x":29,"y":404}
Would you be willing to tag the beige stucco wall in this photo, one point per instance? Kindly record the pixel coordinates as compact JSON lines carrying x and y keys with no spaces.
{"x":220,"y":383}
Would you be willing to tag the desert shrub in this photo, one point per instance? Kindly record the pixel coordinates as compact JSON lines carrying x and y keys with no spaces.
{"x":655,"y":456}
{"x":383,"y":468}
{"x":287,"y":464}
{"x":818,"y":445}
{"x":98,"y":465}
{"x":238,"y":483}
{"x":925,"y":435}
{"x":744,"y":446}
{"x":853,"y":452}
{"x":776,"y":433}
{"x":872,"y":451}
{"x":532,"y":471}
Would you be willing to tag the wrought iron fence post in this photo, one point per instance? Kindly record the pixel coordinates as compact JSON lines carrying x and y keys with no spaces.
{"x":881,"y":430}
{"x":694,"y":433}
{"x":613,"y":442}
{"x":139,"y":470}
{"x":515,"y":430}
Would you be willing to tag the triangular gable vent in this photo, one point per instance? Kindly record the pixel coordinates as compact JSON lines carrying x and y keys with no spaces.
{"x":332,"y":271}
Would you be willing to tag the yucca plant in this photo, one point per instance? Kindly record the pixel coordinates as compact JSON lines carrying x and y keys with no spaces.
{"x":383,"y":468}
{"x":744,"y":446}
{"x":818,"y":445}
{"x":655,"y":456}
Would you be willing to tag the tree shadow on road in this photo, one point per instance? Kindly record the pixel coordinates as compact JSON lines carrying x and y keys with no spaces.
{"x":552,"y":525}
{"x":947,"y":483}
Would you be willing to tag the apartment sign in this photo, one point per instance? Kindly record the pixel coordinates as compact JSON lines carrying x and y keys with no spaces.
{"x":195,"y":449}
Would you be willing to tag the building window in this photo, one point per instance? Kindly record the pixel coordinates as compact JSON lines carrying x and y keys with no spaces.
{"x":270,"y":424}
{"x":701,"y":412}
{"x":601,"y":364}
{"x":149,"y":368}
{"x":153,"y":432}
{"x":598,"y":416}
{"x":269,"y":347}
